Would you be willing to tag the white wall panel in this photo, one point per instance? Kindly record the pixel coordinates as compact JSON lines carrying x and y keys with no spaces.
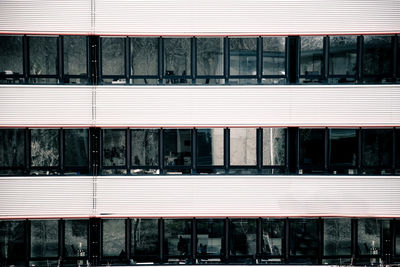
{"x":46,"y":16}
{"x":248,"y":196}
{"x":51,"y":196}
{"x":194,"y":17}
{"x":35,"y":105}
{"x":310,"y":105}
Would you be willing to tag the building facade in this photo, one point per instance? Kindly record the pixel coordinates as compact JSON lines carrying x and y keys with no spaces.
{"x":199,"y":132}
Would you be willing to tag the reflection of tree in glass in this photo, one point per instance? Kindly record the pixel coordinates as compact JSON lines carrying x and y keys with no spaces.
{"x":44,"y":147}
{"x":144,"y":56}
{"x":177,"y":56}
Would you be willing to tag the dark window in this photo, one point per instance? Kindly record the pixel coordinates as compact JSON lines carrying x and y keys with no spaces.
{"x":12,"y":243}
{"x":396,"y":224}
{"x":144,"y":147}
{"x":113,"y":56}
{"x":210,"y":147}
{"x":378,"y":58}
{"x":344,"y":146}
{"x":43,"y":55}
{"x":144,"y":52}
{"x":75,"y":56}
{"x":177,"y":147}
{"x":10,"y":58}
{"x":311,"y":58}
{"x":274,"y":146}
{"x":44,"y":238}
{"x":397,"y":148}
{"x":177,"y":59}
{"x":113,"y":237}
{"x":337,"y":237}
{"x":303,"y":237}
{"x":145,"y":238}
{"x":210,"y":56}
{"x":243,"y":237}
{"x":274,"y":56}
{"x":44,"y":147}
{"x":243,"y":56}
{"x":312,"y":149}
{"x":369,"y":237}
{"x":377,"y":147}
{"x":114,"y":147}
{"x":76,"y":238}
{"x":210,"y":238}
{"x":243,"y":146}
{"x":76,"y":147}
{"x":343,"y":56}
{"x":178,"y":240}
{"x":12,"y":150}
{"x":272,"y":237}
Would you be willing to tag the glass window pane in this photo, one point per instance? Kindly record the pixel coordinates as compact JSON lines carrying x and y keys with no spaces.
{"x":272,"y":237}
{"x":274,"y":146}
{"x":76,"y":233}
{"x":75,"y":55}
{"x":243,"y":237}
{"x":144,"y":147}
{"x":113,"y":56}
{"x":178,"y":240}
{"x":177,"y":147}
{"x":369,"y":236}
{"x":144,"y":53}
{"x":397,"y":131}
{"x":377,"y":147}
{"x":312,"y":148}
{"x":397,"y":236}
{"x":378,"y":56}
{"x":243,"y":56}
{"x":145,"y":237}
{"x":113,"y":237}
{"x":177,"y":56}
{"x":210,"y":237}
{"x":43,"y":55}
{"x":210,"y":147}
{"x":76,"y":147}
{"x":44,"y":148}
{"x":44,"y":238}
{"x":12,"y":143}
{"x":11,"y":54}
{"x":337,"y":237}
{"x":12,"y":243}
{"x":210,"y":56}
{"x":342,"y":55}
{"x":303,"y":237}
{"x":114,"y":147}
{"x":274,"y":56}
{"x":311,"y":55}
{"x":243,"y":146}
{"x":344,"y":146}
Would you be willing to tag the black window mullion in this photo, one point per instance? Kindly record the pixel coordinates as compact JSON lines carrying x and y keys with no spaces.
{"x":193,"y":54}
{"x":25,"y":59}
{"x":61,"y":150}
{"x":326,"y":150}
{"x":128,"y":152}
{"x":99,"y":59}
{"x":320,"y":228}
{"x":360,"y":60}
{"x":194,"y":241}
{"x":325,"y":61}
{"x":394,"y":151}
{"x":259,"y":59}
{"x":128,"y":232}
{"x":226,"y":60}
{"x":259,"y":144}
{"x":61,"y":238}
{"x":29,"y":151}
{"x":27,"y":239}
{"x":287,"y":237}
{"x":259,"y":238}
{"x":60,"y":59}
{"x":360,"y":149}
{"x":160,"y":60}
{"x":161,"y":150}
{"x":395,"y":55}
{"x":227,"y":241}
{"x":226,"y":149}
{"x":127,"y":60}
{"x":161,"y":235}
{"x":194,"y":150}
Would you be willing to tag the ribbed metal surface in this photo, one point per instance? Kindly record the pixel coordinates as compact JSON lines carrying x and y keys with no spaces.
{"x":351,"y":105}
{"x":36,"y":105}
{"x":193,"y":17}
{"x":46,"y":196}
{"x":45,"y":16}
{"x":248,"y":196}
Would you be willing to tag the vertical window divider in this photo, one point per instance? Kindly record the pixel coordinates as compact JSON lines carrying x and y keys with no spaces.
{"x":354,"y":237}
{"x":25,"y":60}
{"x":27,"y":239}
{"x":395,"y":43}
{"x":226,"y":59}
{"x":29,"y":152}
{"x":99,"y":166}
{"x":259,"y":143}
{"x":194,"y":150}
{"x":161,"y":150}
{"x":320,"y":240}
{"x":394,"y":150}
{"x":160,"y":59}
{"x":161,"y":239}
{"x":326,"y":150}
{"x":325,"y":61}
{"x":286,"y":245}
{"x":128,"y":243}
{"x":360,"y":150}
{"x":259,"y":238}
{"x":61,"y":149}
{"x":193,"y":55}
{"x":26,"y":151}
{"x":360,"y":60}
{"x":259,"y":59}
{"x":194,"y":241}
{"x":88,"y":60}
{"x":128,"y":151}
{"x":286,"y":60}
{"x":61,"y":238}
{"x":99,"y":61}
{"x":127,"y":60}
{"x":226,"y":149}
{"x":227,"y":241}
{"x":60,"y":59}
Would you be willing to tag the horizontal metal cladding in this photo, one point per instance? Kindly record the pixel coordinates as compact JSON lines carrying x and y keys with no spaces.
{"x":191,"y":196}
{"x":197,"y":106}
{"x":31,"y":197}
{"x":46,"y":16}
{"x":227,"y":17}
{"x":28,"y":105}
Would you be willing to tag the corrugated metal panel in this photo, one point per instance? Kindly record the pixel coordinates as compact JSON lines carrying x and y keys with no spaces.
{"x":248,"y":196}
{"x":193,"y":17}
{"x":27,"y":105}
{"x":345,"y":105}
{"x":46,"y":16}
{"x":46,"y":196}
